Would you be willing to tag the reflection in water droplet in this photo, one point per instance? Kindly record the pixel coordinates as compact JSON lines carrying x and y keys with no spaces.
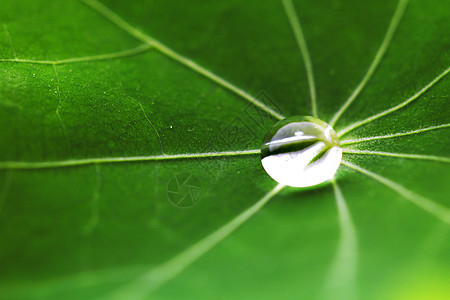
{"x":301,"y":151}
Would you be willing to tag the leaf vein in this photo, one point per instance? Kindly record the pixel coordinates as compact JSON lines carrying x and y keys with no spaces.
{"x":378,"y":57}
{"x":103,"y":160}
{"x":95,"y":217}
{"x":399,"y":155}
{"x":58,"y":107}
{"x":301,"y":41}
{"x":394,"y":135}
{"x":395,"y":108}
{"x":342,"y":273}
{"x":153,"y":279}
{"x":11,"y":44}
{"x":107,"y":56}
{"x":122,"y":24}
{"x":436,"y":209}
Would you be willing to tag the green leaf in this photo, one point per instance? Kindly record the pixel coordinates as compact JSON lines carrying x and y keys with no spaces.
{"x":130,"y":133}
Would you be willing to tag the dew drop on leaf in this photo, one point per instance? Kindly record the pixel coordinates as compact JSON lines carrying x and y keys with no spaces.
{"x":301,"y":151}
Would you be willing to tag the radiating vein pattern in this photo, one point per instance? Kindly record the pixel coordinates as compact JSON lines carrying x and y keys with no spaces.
{"x":299,"y":36}
{"x":393,"y":135}
{"x":395,"y":108}
{"x":379,"y":55}
{"x":149,"y":282}
{"x":437,"y":210}
{"x":398,"y":155}
{"x":341,"y":280}
{"x":114,"y":18}
{"x":343,"y":271}
{"x":107,"y":56}
{"x":105,"y":160}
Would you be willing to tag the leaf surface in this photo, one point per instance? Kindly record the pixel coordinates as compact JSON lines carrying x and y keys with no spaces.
{"x":86,"y":81}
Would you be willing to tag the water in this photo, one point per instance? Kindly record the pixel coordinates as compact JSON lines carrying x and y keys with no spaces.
{"x":301,"y":151}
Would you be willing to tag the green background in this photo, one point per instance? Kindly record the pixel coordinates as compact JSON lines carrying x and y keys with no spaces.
{"x":82,"y":232}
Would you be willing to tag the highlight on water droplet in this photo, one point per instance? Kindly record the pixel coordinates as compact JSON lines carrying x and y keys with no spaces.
{"x":301,"y":151}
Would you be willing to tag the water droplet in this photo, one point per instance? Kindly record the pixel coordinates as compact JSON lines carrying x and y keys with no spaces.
{"x":301,"y":151}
